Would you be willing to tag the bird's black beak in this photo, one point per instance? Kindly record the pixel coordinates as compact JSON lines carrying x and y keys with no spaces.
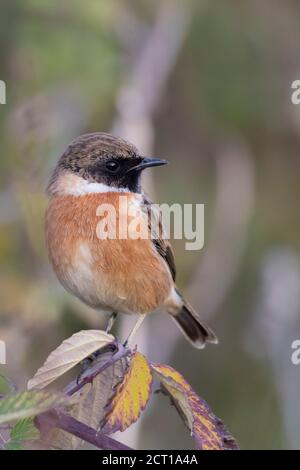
{"x":147,"y":163}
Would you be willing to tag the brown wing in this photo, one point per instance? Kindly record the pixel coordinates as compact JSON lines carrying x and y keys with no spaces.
{"x":162,"y":244}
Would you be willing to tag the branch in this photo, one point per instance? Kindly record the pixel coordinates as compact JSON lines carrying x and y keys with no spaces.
{"x":96,"y":369}
{"x":65,"y":422}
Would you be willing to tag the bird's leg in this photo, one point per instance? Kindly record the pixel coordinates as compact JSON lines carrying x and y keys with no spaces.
{"x":134,"y":330}
{"x":87,"y":362}
{"x":111,"y":322}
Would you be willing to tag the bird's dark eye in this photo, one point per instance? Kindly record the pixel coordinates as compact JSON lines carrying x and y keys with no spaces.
{"x":112,"y":166}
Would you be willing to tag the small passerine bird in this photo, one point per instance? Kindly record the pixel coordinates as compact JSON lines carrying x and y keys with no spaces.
{"x":117,"y":274}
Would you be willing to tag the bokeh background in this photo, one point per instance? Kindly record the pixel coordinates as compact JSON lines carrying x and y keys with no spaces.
{"x":207,"y":85}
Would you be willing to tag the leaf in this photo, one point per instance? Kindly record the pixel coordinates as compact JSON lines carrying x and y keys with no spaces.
{"x":6,"y":385}
{"x":26,"y":404}
{"x":23,"y":430}
{"x":208,"y":431}
{"x":14,"y":445}
{"x":91,"y":402}
{"x":131,"y":396}
{"x":71,"y":351}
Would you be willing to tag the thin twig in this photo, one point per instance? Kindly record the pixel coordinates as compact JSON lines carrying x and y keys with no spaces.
{"x":96,"y":369}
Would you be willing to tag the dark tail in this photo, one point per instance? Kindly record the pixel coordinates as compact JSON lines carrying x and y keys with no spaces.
{"x":194,"y":330}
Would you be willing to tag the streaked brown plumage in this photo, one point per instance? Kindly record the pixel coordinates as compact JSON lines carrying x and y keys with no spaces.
{"x":117,"y":275}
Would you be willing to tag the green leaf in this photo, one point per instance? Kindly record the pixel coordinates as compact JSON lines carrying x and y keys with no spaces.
{"x":26,"y":404}
{"x":13,"y":445}
{"x":23,"y":430}
{"x":6,"y":385}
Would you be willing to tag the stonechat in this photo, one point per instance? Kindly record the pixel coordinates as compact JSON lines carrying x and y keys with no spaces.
{"x":130,"y":275}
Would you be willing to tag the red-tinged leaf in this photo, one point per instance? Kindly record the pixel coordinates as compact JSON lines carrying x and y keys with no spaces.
{"x":208,"y":431}
{"x":131,"y":396}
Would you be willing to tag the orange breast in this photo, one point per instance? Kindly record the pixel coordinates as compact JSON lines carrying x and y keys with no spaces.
{"x":125,"y":275}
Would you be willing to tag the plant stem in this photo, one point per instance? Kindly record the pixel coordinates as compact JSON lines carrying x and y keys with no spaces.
{"x":61,"y":420}
{"x":96,"y":369}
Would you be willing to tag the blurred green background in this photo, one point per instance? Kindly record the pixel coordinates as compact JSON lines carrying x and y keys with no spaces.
{"x":207,"y":85}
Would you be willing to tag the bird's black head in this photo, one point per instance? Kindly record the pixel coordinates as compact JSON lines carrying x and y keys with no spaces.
{"x":103,"y":158}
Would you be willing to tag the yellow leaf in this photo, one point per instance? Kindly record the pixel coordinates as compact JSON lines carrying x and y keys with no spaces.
{"x":131,"y":396}
{"x":208,"y":431}
{"x":71,"y":351}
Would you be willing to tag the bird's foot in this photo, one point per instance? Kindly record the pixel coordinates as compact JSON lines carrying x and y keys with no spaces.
{"x":89,"y":361}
